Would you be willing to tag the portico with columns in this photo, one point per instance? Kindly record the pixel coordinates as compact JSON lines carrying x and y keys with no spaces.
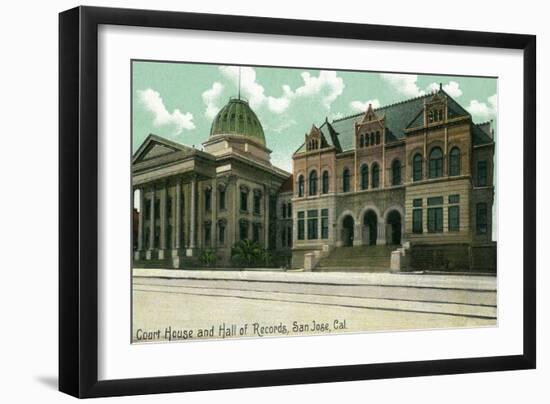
{"x":189,"y":200}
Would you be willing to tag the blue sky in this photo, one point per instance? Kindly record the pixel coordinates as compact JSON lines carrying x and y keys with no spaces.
{"x":179,"y":100}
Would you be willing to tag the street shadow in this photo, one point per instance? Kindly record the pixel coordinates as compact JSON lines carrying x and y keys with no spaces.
{"x":48,"y":381}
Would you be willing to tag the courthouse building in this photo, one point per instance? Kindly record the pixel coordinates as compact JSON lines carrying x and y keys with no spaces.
{"x":415,"y":175}
{"x":195,"y":199}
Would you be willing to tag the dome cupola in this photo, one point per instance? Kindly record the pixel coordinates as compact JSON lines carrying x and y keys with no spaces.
{"x":237,"y":118}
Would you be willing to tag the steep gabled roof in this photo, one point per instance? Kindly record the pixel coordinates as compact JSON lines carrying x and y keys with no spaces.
{"x":398,"y":117}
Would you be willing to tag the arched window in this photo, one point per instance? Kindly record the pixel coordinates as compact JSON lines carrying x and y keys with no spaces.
{"x":301,"y":186}
{"x":313,"y":183}
{"x":375,"y":175}
{"x":417,"y":167}
{"x":366,"y":140}
{"x":377,"y":137}
{"x":362,"y":140}
{"x":396,"y":172}
{"x":372,"y":138}
{"x":454,"y":161}
{"x":364,"y":176}
{"x":325,"y":185}
{"x":345,"y":180}
{"x":436,"y":163}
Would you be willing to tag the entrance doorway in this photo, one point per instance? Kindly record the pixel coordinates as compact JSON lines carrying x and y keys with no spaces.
{"x":370,"y":221}
{"x":394,"y":220}
{"x":347,"y":231}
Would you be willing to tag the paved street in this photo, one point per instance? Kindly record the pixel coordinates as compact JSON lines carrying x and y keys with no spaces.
{"x":176,"y":305}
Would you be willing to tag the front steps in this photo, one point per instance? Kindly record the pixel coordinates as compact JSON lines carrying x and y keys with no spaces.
{"x":357,"y":259}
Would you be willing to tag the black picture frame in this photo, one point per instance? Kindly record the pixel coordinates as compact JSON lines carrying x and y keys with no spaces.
{"x":78,"y":196}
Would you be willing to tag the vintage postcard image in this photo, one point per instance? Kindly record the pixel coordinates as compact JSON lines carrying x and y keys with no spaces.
{"x":288,"y":201}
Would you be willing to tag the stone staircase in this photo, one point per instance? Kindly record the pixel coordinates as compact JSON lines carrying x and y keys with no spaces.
{"x":357,"y":259}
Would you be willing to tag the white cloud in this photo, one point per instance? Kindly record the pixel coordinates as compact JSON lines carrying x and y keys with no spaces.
{"x":452,"y":88}
{"x":483,"y":110}
{"x":404,"y":84}
{"x":327,"y":86}
{"x":152,"y":101}
{"x":210,"y":98}
{"x":360,"y":106}
{"x":407,"y":85}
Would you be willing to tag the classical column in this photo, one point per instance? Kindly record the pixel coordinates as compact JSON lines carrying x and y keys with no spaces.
{"x":162,"y":212}
{"x":266,"y":216}
{"x":200,"y":212}
{"x":214,"y":210}
{"x":139,"y":253}
{"x":233,"y":235}
{"x":149,"y":253}
{"x":177,"y":216}
{"x":177,"y":242}
{"x":192,"y":217}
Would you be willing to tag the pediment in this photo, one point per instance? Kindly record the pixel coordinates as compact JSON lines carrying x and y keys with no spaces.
{"x":156,"y":146}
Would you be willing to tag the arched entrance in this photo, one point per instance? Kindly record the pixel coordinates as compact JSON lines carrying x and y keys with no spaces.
{"x":370,"y":221}
{"x":394,"y":222}
{"x":347,"y":231}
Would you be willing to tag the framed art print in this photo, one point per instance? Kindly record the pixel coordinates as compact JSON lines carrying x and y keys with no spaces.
{"x":249,"y":201}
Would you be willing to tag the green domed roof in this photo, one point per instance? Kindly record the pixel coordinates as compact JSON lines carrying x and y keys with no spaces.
{"x":237,"y":118}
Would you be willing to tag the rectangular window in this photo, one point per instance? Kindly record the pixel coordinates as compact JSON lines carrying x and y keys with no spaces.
{"x":324,"y":223}
{"x":244,"y":201}
{"x":312,"y":224}
{"x":417,"y":221}
{"x":435,"y":220}
{"x":207,"y":200}
{"x":221,"y":234}
{"x":289,"y":236}
{"x":417,"y":203}
{"x":436,"y":200}
{"x":454,"y":218}
{"x":301,"y":225}
{"x":454,"y":198}
{"x":481,"y":218}
{"x":222,"y":199}
{"x":283,"y":210}
{"x":243,"y":230}
{"x":257,"y":201}
{"x":482,"y":173}
{"x":207,"y":234}
{"x":256,"y":232}
{"x":289,"y":210}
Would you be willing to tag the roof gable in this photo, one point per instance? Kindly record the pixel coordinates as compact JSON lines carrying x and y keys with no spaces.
{"x":155,"y":146}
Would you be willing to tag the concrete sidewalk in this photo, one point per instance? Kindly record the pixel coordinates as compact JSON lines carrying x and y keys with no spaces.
{"x":462,"y":282}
